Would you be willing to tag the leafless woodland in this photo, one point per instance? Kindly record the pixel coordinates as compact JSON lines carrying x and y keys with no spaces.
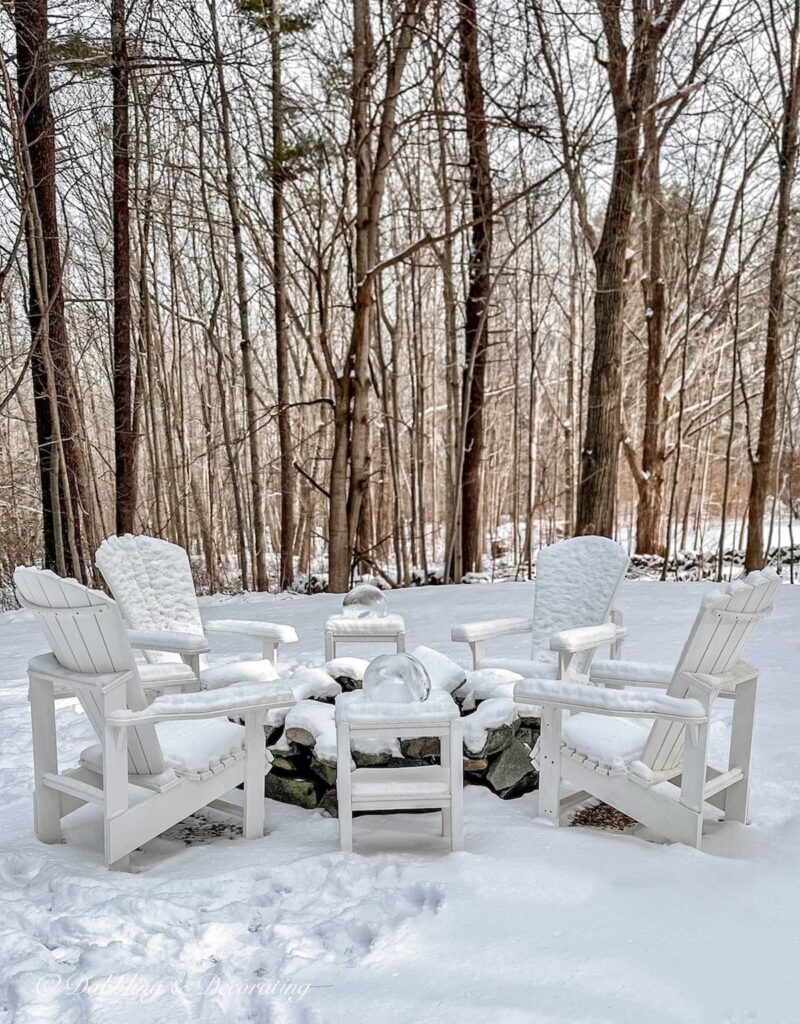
{"x":396,"y":286}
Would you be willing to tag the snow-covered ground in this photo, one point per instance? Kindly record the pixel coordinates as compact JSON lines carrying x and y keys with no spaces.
{"x":530,"y":924}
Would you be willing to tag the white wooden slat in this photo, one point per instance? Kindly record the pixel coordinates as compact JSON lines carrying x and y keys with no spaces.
{"x":89,"y":701}
{"x":55,"y":639}
{"x":713,"y":648}
{"x":86,"y":634}
{"x":28,"y":589}
{"x":80,"y":638}
{"x":729,"y":634}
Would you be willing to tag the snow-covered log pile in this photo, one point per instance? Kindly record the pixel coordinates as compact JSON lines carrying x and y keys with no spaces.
{"x":498,"y":737}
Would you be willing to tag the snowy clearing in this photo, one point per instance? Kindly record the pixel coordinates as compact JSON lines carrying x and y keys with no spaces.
{"x":530,"y":924}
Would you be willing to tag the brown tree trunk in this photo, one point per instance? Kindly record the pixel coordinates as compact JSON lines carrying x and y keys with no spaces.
{"x":650,"y":481}
{"x":260,"y":577}
{"x":476,"y":312}
{"x":352,"y":389}
{"x":60,"y":460}
{"x":124,"y":436}
{"x":281,"y":339}
{"x":787,"y":162}
{"x":600,"y":453}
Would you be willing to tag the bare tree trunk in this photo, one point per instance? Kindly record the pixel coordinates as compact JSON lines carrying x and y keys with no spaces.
{"x":124,"y":436}
{"x":629,"y":91}
{"x":650,"y":482}
{"x":352,"y":389}
{"x":279,"y":278}
{"x":787,"y":162}
{"x":260,"y":577}
{"x":476,"y":312}
{"x":60,"y":460}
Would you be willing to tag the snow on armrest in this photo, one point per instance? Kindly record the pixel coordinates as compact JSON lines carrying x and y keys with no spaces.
{"x":585,"y":638}
{"x":640,"y":673}
{"x":207,"y":703}
{"x":167,"y":640}
{"x":247,"y":627}
{"x":469,"y":632}
{"x":600,"y":701}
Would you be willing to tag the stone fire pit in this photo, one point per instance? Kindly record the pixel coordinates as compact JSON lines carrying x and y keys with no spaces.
{"x":498,"y":737}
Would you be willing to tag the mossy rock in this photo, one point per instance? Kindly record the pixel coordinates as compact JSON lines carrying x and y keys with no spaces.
{"x":329,"y":804}
{"x":511,"y":773}
{"x":326,"y":770}
{"x":420,"y":748}
{"x":293,"y":789}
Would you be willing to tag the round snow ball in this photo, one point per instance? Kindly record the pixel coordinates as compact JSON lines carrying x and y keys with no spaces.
{"x":364,"y":602}
{"x":396,"y":679}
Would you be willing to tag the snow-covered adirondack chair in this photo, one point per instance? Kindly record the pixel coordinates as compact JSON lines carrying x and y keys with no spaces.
{"x":152,"y":581}
{"x":181,"y":748}
{"x":576,"y":584}
{"x":645,"y":752}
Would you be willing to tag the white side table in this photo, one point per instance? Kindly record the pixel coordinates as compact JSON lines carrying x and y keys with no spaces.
{"x":386,"y":629}
{"x":429,"y":787}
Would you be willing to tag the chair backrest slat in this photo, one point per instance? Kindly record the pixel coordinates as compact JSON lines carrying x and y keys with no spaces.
{"x":86,"y":634}
{"x":722,"y":627}
{"x":151,"y":580}
{"x":577,"y":581}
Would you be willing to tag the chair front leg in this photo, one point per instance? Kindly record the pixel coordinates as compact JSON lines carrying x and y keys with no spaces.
{"x":344,"y":798}
{"x":456,"y":774}
{"x":118,"y":844}
{"x":693,"y":777}
{"x":46,"y":801}
{"x":255,"y":747}
{"x":269,"y":652}
{"x":736,"y":798}
{"x":550,"y":764}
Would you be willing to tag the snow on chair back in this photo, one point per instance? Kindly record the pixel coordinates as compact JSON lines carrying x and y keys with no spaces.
{"x":576,"y":583}
{"x":152,"y":581}
{"x":722,"y":627}
{"x":86,"y":634}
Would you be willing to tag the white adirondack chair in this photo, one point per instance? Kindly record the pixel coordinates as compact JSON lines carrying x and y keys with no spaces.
{"x":181,"y":750}
{"x":648,"y":756}
{"x":576,"y":584}
{"x":152,"y":581}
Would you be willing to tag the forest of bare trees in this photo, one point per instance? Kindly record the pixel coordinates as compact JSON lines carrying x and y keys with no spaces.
{"x":405,"y":288}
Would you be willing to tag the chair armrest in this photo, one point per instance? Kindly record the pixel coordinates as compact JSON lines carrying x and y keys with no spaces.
{"x":274,"y":631}
{"x":167,"y":640}
{"x":599,"y":701}
{"x":234,"y":699}
{"x":488,"y":629}
{"x":586,"y":638}
{"x":616,"y":672}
